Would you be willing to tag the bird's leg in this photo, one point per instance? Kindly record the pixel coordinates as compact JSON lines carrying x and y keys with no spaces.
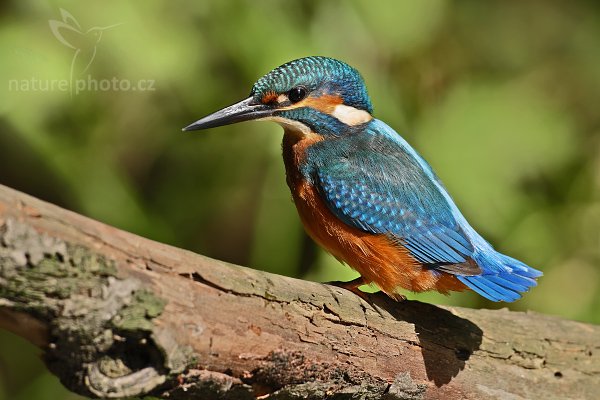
{"x":398,"y":297}
{"x":352,"y":286}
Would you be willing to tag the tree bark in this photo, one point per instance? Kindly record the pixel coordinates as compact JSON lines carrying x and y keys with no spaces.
{"x":117,"y":315}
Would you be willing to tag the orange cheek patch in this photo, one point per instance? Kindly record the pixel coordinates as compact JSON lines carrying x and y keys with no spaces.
{"x":326,"y":103}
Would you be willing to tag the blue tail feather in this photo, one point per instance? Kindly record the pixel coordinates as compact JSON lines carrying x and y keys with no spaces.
{"x":516,"y":286}
{"x":503,"y":278}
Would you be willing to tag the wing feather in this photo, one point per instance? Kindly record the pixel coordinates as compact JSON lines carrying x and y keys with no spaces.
{"x":377,"y":188}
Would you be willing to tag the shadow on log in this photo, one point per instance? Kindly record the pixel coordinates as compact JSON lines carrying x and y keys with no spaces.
{"x":445,"y":347}
{"x":118,"y":315}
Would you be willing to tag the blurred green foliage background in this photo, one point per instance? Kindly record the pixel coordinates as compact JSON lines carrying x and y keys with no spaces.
{"x":501,"y":97}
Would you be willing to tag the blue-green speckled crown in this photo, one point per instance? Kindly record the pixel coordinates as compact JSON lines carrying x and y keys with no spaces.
{"x":317,"y":73}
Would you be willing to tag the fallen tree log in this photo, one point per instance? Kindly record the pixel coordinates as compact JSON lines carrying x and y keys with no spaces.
{"x":117,"y":315}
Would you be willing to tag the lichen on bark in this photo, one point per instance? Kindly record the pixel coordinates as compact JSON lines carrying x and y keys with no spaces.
{"x":91,"y":313}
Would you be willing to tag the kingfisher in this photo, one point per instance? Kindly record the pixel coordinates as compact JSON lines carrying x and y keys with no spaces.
{"x":364,"y":194}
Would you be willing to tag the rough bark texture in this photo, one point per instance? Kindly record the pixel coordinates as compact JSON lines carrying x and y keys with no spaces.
{"x":118,"y":315}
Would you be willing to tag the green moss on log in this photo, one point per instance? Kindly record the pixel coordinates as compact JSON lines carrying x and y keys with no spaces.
{"x":139,"y":314}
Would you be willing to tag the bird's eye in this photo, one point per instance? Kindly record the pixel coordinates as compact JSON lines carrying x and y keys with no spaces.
{"x":297,"y":94}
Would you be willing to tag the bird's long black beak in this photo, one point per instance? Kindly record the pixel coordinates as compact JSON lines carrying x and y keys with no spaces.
{"x":245,"y":110}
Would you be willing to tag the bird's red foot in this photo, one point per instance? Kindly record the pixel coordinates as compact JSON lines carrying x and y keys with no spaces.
{"x":352,"y":286}
{"x":398,"y":297}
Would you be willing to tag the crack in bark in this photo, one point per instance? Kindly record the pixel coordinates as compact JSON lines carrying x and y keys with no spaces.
{"x":197,"y":277}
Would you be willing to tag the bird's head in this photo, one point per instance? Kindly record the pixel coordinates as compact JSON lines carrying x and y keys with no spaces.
{"x":312,"y":94}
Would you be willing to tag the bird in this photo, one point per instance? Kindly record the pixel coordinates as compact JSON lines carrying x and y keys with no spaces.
{"x":364,"y":194}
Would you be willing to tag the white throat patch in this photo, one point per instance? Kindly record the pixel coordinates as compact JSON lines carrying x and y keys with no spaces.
{"x":289,"y":124}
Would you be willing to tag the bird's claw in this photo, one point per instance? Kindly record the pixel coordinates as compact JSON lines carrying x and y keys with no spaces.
{"x":351,"y":286}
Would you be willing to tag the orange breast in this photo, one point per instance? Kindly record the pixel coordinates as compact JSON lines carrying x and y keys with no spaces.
{"x":378,"y":260}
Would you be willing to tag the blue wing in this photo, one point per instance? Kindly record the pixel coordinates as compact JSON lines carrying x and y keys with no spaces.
{"x":372,"y":184}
